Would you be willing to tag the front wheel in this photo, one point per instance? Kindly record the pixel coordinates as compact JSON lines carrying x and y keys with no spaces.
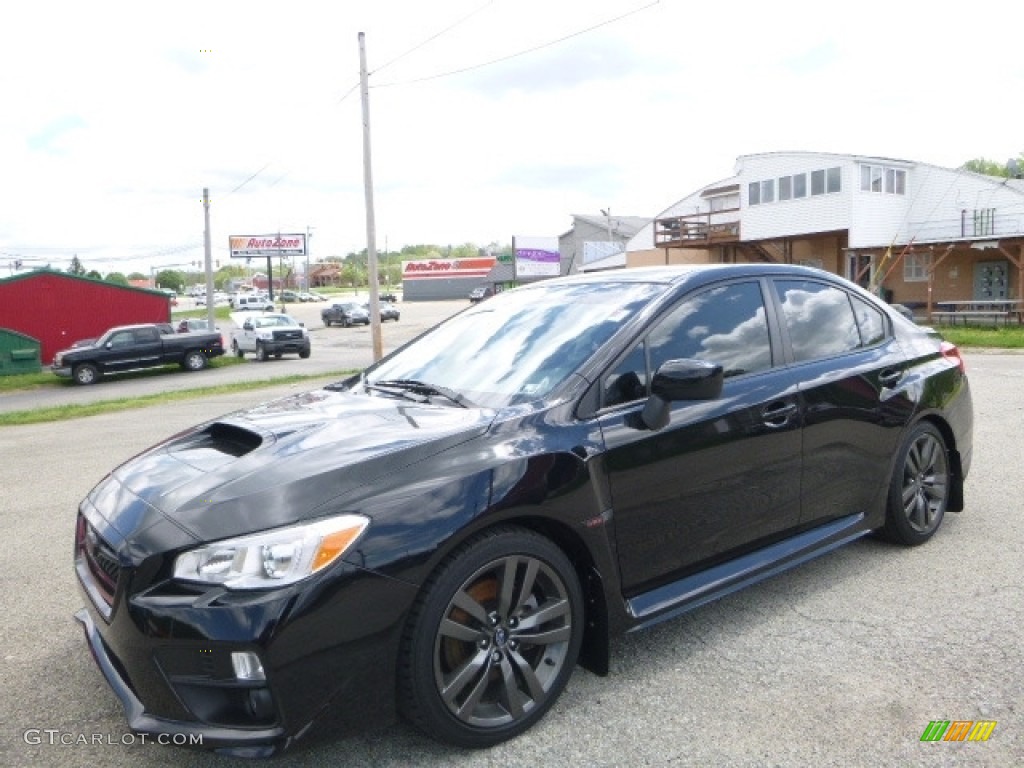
{"x":327,"y":322}
{"x":304,"y":354}
{"x":492,"y":640}
{"x":919,"y":490}
{"x":86,"y":373}
{"x":261,"y":353}
{"x":237,"y":349}
{"x":194,"y":361}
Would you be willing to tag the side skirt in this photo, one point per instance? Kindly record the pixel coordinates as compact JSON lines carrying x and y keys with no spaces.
{"x":684,"y":595}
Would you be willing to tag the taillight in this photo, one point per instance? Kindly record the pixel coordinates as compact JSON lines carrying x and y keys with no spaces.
{"x":949,"y":351}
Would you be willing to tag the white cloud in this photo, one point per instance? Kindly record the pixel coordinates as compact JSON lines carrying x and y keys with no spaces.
{"x":116,"y":116}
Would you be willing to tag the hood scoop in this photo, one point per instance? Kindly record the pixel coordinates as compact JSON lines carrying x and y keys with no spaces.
{"x":218,"y":443}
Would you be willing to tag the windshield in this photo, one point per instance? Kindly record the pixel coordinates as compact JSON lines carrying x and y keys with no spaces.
{"x":518,"y":345}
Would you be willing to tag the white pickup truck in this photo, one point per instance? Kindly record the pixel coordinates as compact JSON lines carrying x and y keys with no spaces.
{"x":269,"y":334}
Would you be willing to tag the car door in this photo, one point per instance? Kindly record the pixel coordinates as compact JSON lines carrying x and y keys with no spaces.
{"x":724,"y":475}
{"x":851,"y":368}
{"x":119,"y":352}
{"x":149,"y":347}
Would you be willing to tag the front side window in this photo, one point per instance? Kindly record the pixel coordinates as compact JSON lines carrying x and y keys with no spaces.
{"x":819,"y":319}
{"x":725,"y":325}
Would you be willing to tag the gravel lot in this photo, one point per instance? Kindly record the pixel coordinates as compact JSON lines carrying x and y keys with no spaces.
{"x":842,"y":662}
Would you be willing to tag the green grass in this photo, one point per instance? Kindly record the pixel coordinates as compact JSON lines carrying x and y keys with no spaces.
{"x":78,"y":411}
{"x":965,"y":337}
{"x":47,"y":379}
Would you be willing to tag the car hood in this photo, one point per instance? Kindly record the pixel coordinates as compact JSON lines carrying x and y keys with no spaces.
{"x":291,"y":459}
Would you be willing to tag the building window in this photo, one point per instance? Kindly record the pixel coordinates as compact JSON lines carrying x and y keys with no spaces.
{"x":817,"y":182}
{"x":833,"y":180}
{"x":724,"y":203}
{"x":754,"y":193}
{"x":785,"y":187}
{"x":877,"y":178}
{"x":800,"y":185}
{"x":768,"y":191}
{"x":915,"y":268}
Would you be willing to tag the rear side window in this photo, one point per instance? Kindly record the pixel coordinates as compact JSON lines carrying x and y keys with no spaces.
{"x":870,"y":321}
{"x":819,"y":318}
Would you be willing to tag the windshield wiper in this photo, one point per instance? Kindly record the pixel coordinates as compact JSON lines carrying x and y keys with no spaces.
{"x":412,"y":388}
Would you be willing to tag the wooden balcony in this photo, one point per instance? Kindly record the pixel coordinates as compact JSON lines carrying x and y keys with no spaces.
{"x":697,"y":230}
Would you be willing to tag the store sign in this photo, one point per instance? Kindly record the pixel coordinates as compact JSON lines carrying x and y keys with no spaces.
{"x":247,"y":246}
{"x":427,"y":269}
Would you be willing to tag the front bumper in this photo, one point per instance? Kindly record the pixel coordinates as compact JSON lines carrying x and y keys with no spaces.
{"x":62,"y":371}
{"x":328,"y":648}
{"x":290,"y":347}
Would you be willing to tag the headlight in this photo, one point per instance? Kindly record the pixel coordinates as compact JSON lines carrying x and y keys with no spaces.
{"x":271,"y":559}
{"x":265,"y":335}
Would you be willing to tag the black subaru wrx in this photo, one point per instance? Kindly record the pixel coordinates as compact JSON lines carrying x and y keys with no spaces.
{"x":447,"y":534}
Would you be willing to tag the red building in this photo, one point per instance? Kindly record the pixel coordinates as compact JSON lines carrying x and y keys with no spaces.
{"x":59,"y":309}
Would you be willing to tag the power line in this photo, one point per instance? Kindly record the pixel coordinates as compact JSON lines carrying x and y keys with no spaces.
{"x":520,"y":53}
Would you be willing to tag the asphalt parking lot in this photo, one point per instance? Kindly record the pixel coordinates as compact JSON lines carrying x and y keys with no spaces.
{"x":841,"y":662}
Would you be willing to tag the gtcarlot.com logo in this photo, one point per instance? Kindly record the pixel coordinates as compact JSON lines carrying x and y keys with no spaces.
{"x":55,"y":737}
{"x":958,"y":730}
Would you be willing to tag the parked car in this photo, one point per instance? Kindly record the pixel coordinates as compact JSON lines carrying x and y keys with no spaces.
{"x":448,"y":532}
{"x":480,"y":293}
{"x":132,"y":347}
{"x":387,"y":311}
{"x":190,"y":324}
{"x":390,"y":298}
{"x":257,"y":302}
{"x":271,"y":335}
{"x":313,"y":296}
{"x":287,"y":296}
{"x":344,"y":313}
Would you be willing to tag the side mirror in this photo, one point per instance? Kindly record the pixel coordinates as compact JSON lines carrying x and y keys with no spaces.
{"x":680,"y":380}
{"x":246,"y":326}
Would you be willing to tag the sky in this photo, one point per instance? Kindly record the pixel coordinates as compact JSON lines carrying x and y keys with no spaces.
{"x":488,"y":119}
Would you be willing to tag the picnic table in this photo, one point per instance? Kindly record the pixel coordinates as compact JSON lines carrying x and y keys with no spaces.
{"x":979,"y":309}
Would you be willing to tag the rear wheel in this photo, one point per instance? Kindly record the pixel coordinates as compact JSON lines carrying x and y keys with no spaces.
{"x":86,"y":373}
{"x":492,"y":640}
{"x":327,"y":322}
{"x":919,"y":490}
{"x":194,"y":360}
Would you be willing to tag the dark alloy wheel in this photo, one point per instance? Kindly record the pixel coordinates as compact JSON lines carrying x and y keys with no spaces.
{"x":86,"y":373}
{"x":493,"y":639}
{"x":194,"y":361}
{"x":919,"y":491}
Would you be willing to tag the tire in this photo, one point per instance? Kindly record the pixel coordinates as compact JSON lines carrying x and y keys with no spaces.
{"x":469,"y":674}
{"x":919,"y":490}
{"x":236,"y":349}
{"x":345,"y":323}
{"x":194,"y":360}
{"x":85,"y":374}
{"x":278,"y":355}
{"x":261,"y":353}
{"x":327,"y":322}
{"x":304,"y":354}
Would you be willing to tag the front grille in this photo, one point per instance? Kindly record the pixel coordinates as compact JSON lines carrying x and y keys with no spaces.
{"x":287,"y":335}
{"x":99,"y":558}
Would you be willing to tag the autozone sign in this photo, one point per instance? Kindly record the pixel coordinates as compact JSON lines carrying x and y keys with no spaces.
{"x":244,"y":246}
{"x":424,"y":269}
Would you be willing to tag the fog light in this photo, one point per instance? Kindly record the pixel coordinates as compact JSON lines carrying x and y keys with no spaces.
{"x":247,"y":666}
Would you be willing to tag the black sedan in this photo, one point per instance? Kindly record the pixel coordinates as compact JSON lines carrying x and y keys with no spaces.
{"x":447,"y":534}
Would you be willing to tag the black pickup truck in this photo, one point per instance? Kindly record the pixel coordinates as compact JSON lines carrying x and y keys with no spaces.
{"x":130,"y":347}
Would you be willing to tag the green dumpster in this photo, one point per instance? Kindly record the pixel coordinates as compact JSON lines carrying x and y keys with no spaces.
{"x":18,"y":353}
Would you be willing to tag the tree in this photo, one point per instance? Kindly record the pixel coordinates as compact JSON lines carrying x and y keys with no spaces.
{"x":76,"y":268}
{"x":1013,"y":168}
{"x":93,"y":275}
{"x":170,"y":278}
{"x":136,"y":276}
{"x":117,"y":278}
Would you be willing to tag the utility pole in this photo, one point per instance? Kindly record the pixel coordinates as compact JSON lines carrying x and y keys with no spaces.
{"x":309,"y":236}
{"x":208,"y":253}
{"x":371,"y":237}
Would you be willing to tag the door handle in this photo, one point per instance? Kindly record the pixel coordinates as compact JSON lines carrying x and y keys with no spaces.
{"x":778,"y":414}
{"x":890,"y":377}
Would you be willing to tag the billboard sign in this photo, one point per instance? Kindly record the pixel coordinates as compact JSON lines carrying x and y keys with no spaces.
{"x":537,"y":257}
{"x":428,"y":269}
{"x":247,"y":246}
